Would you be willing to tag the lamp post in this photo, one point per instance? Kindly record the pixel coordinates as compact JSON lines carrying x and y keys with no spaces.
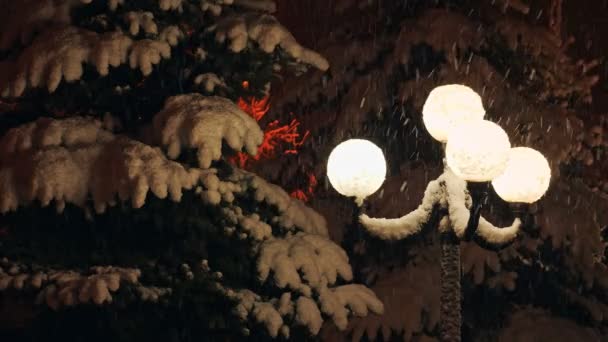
{"x":477,"y":152}
{"x":356,"y":168}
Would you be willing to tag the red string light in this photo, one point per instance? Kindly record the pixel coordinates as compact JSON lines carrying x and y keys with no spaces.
{"x":276,"y":136}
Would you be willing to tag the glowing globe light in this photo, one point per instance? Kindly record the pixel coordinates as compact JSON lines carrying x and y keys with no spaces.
{"x":526,"y":178}
{"x":448,"y":106}
{"x":478,"y":151}
{"x":356,"y":168}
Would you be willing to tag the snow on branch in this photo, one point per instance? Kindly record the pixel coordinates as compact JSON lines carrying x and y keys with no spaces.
{"x":264,"y":30}
{"x":209,"y":81}
{"x":63,"y":288}
{"x":293,"y":214}
{"x":141,"y":20}
{"x":410,"y":224}
{"x":170,"y":5}
{"x":66,"y":160}
{"x":204,"y":123}
{"x":303,"y":262}
{"x":337,"y":303}
{"x":59,"y":54}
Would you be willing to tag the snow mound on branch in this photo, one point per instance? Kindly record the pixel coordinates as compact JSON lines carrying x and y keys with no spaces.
{"x":251,"y":225}
{"x":270,"y":314}
{"x":146,"y":53}
{"x":171,"y":34}
{"x":141,"y":20}
{"x":292,"y":213}
{"x":337,"y":303}
{"x":204,"y":123}
{"x":529,"y":324}
{"x":170,"y":5}
{"x":341,"y":301}
{"x":67,"y":48}
{"x":209,"y":81}
{"x":152,"y":293}
{"x":69,"y":288}
{"x":60,"y":288}
{"x":66,"y":160}
{"x":303,"y":262}
{"x":264,"y":30}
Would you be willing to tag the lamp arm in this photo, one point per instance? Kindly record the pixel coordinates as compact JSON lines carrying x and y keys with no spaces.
{"x":410,"y":224}
{"x":493,"y":235}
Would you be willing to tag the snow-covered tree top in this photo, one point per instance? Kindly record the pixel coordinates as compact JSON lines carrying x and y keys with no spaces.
{"x":49,"y":45}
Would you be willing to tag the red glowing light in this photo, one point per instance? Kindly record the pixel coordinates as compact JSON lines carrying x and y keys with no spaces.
{"x":276,"y":137}
{"x":304,"y":195}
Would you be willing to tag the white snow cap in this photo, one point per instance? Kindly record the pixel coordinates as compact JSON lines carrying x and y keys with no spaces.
{"x":319,"y":261}
{"x":447,"y":192}
{"x":209,"y":81}
{"x":65,"y":49}
{"x":66,"y":160}
{"x":141,"y":20}
{"x":264,"y":30}
{"x":204,"y":123}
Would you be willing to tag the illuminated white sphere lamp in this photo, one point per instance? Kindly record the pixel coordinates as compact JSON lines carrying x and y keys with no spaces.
{"x":526,"y":178}
{"x":356,"y":168}
{"x":448,"y":106}
{"x":478,"y":151}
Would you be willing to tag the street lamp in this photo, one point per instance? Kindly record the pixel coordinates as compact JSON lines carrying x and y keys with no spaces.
{"x":477,"y":152}
{"x":356,"y":168}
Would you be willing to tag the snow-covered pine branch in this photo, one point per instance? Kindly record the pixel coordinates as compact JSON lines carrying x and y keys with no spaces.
{"x":66,"y":160}
{"x":338,"y":303}
{"x":303,"y":262}
{"x":59,"y":54}
{"x":141,"y":21}
{"x":204,"y":123}
{"x":66,"y":288}
{"x":294,"y":215}
{"x":239,"y":30}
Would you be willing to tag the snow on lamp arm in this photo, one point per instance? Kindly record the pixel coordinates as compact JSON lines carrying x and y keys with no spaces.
{"x":476,"y":151}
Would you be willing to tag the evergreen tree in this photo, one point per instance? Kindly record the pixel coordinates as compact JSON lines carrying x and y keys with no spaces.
{"x":121,"y":218}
